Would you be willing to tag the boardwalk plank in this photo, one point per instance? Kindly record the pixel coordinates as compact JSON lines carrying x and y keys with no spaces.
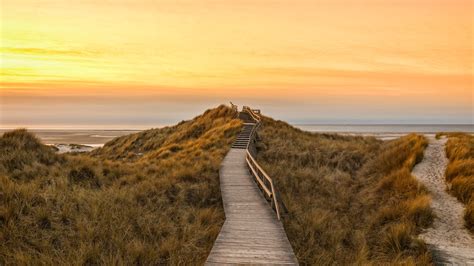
{"x":251,"y":233}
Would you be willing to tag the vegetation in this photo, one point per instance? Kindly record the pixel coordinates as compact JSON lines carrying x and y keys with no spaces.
{"x":153,"y":197}
{"x":148,"y":198}
{"x":460,"y":171}
{"x":350,"y":200}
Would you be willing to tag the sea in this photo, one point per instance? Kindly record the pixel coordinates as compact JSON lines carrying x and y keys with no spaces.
{"x":387,"y":132}
{"x":62,"y":138}
{"x":96,"y":137}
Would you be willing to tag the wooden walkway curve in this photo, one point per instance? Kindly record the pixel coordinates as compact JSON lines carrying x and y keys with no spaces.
{"x":251,"y":233}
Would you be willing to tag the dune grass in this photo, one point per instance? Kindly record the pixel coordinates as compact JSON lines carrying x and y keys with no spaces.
{"x":153,"y":197}
{"x":350,"y":199}
{"x":460,"y":171}
{"x":148,"y":198}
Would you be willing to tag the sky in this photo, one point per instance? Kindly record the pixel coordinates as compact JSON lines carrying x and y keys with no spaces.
{"x":144,"y":63}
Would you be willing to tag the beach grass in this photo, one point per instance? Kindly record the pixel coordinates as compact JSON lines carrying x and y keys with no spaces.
{"x":460,"y":172}
{"x":145,"y":199}
{"x":153,"y":197}
{"x":350,"y":199}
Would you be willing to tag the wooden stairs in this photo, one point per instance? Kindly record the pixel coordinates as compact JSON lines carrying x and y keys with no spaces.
{"x":252,"y":232}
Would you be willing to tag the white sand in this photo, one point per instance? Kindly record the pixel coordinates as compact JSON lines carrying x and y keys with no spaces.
{"x":64,"y":148}
{"x":449,"y":240}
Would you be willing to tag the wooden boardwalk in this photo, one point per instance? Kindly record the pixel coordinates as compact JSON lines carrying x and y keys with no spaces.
{"x":251,"y":233}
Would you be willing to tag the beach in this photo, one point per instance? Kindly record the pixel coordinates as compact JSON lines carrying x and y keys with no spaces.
{"x":86,"y":139}
{"x":76,"y":140}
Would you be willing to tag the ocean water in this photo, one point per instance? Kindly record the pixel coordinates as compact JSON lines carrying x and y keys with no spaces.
{"x":97,"y":138}
{"x":93,"y":138}
{"x":383,"y":129}
{"x":386,"y":132}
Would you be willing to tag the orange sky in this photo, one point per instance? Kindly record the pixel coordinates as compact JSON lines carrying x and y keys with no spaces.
{"x":302,"y":60}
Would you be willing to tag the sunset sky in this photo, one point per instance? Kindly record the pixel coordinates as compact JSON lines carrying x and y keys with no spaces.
{"x":142,"y":63}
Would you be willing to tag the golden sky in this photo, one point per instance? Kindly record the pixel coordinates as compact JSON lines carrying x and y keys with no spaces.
{"x":302,"y":60}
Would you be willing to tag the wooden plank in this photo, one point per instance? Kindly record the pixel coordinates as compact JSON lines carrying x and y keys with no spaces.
{"x":253,"y":252}
{"x":251,"y":233}
{"x":224,"y":258}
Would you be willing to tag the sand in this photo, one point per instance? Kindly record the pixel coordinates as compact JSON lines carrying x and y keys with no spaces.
{"x":74,"y":148}
{"x":78,"y":136}
{"x":450,"y":242}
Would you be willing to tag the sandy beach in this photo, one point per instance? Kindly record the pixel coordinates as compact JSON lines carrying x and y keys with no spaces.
{"x":449,"y":240}
{"x":93,"y":138}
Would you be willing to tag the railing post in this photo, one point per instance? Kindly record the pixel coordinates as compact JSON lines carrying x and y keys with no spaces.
{"x":275,"y":200}
{"x":235,"y":108}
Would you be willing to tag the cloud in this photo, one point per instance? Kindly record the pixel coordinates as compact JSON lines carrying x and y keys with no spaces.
{"x":49,"y":52}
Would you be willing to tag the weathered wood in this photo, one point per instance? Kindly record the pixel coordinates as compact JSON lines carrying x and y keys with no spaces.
{"x":251,"y":233}
{"x":259,"y":174}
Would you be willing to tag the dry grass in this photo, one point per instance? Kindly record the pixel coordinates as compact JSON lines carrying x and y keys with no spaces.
{"x":460,"y":172}
{"x":395,"y":205}
{"x":350,"y":200}
{"x":149,"y":198}
{"x":153,"y":197}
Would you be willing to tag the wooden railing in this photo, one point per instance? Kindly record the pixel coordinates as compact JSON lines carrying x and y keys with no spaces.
{"x":255,"y":114}
{"x":234,"y":107}
{"x":265,"y":183}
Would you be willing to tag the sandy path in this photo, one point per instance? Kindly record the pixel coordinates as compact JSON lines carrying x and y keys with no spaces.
{"x":450,"y":242}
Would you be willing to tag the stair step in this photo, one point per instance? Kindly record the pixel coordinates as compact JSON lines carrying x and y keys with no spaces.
{"x":244,"y":137}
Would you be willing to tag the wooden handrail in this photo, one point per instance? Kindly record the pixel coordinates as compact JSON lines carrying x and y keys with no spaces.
{"x":253,"y":113}
{"x":262,"y":178}
{"x":254,"y":170}
{"x":233,"y":106}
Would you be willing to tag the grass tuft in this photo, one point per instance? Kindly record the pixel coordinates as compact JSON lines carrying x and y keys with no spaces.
{"x":149,"y":198}
{"x":460,"y":172}
{"x":350,"y":199}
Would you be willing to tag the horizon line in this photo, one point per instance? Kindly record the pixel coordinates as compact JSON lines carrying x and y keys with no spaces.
{"x":112,"y":128}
